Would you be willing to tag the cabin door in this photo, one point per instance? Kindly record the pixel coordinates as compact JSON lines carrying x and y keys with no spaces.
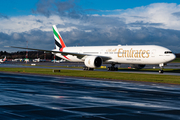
{"x":153,"y":53}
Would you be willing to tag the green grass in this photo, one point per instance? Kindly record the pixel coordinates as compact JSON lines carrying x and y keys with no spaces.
{"x":177,"y":60}
{"x":53,"y":66}
{"x":124,"y":69}
{"x":151,"y":70}
{"x":160,"y":78}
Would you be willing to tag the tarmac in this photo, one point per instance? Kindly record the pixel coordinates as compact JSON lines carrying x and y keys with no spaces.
{"x":37,"y":97}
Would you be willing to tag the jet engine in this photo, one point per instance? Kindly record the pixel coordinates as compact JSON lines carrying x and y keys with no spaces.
{"x":93,"y":61}
{"x":137,"y":66}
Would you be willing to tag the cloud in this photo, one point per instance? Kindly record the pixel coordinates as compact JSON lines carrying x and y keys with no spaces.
{"x":3,"y":16}
{"x":27,"y":23}
{"x":44,"y":7}
{"x":95,"y":37}
{"x":153,"y":24}
{"x":159,"y":15}
{"x":67,"y":8}
{"x":36,"y":39}
{"x":142,"y":24}
{"x":177,"y":14}
{"x":16,"y":36}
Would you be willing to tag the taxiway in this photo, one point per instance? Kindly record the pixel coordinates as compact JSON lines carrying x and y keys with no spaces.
{"x":26,"y":96}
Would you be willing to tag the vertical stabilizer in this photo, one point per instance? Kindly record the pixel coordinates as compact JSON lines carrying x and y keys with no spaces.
{"x":4,"y":58}
{"x":58,"y":39}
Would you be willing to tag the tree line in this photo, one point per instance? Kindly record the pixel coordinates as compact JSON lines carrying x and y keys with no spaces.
{"x":30,"y":55}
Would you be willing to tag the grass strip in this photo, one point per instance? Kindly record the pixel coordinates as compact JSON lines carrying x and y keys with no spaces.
{"x":151,"y":70}
{"x":124,"y":69}
{"x":177,"y":60}
{"x":160,"y":78}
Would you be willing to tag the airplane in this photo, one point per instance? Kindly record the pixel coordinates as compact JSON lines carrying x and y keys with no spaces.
{"x":94,"y":56}
{"x":3,"y":60}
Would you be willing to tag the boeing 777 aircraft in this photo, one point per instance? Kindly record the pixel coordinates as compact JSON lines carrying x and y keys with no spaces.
{"x":94,"y":56}
{"x":3,"y":60}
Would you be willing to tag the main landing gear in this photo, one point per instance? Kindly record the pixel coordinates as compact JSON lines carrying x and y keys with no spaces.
{"x":112,"y":68}
{"x":161,"y":67}
{"x":87,"y":68}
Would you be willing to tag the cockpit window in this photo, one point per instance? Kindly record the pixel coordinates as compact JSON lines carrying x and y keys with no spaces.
{"x":167,"y":52}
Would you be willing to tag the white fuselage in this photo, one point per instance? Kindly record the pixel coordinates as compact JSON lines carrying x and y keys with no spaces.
{"x":2,"y":60}
{"x":141,"y":54}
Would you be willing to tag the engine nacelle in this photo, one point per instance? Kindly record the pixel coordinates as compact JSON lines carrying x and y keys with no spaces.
{"x":137,"y":66}
{"x":93,"y":61}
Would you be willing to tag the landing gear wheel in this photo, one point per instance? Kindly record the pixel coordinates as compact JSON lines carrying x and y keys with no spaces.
{"x":87,"y":68}
{"x":161,"y":71}
{"x":109,"y":69}
{"x":112,"y":68}
{"x":90,"y":68}
{"x":161,"y":67}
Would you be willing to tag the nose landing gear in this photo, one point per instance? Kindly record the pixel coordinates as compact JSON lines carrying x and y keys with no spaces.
{"x":161,"y":71}
{"x":161,"y":67}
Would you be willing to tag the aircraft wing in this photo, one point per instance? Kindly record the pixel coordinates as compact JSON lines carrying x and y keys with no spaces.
{"x":79,"y":55}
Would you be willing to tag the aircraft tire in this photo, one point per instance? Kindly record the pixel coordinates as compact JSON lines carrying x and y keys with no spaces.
{"x":161,"y":71}
{"x":112,"y":69}
{"x":90,"y":68}
{"x":87,"y":68}
{"x":109,"y":69}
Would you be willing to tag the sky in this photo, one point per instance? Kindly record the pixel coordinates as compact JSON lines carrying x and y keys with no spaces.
{"x":90,"y":23}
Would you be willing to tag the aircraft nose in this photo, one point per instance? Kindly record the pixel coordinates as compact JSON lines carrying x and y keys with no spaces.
{"x":173,"y":57}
